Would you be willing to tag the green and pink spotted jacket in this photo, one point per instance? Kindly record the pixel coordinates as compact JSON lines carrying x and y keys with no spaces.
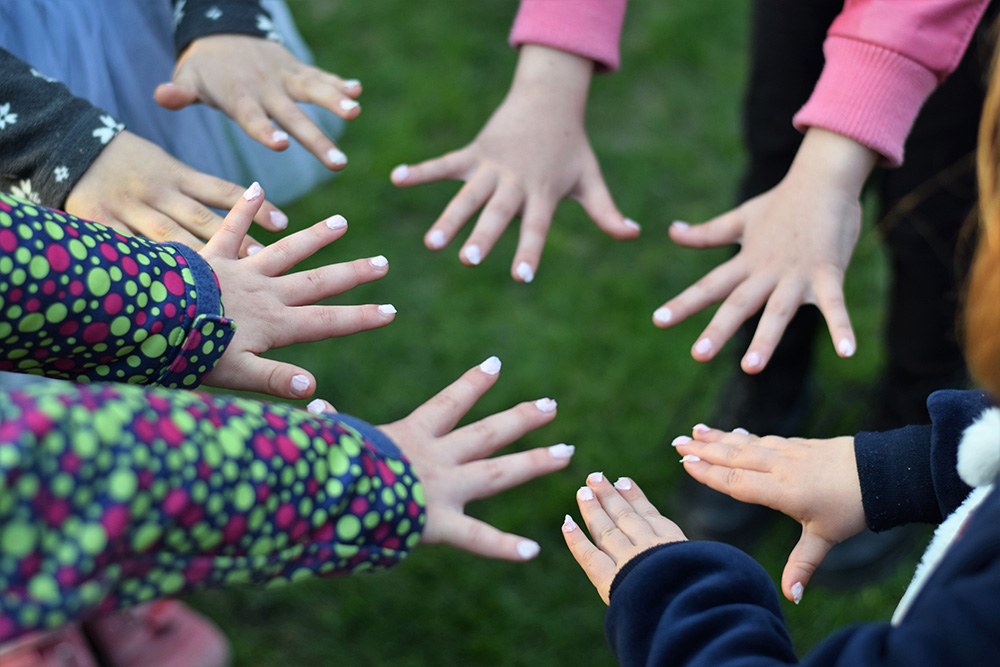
{"x":113,"y":491}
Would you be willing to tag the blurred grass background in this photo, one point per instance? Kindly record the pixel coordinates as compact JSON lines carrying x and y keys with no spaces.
{"x":666,"y":130}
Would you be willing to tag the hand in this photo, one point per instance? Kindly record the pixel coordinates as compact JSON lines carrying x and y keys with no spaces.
{"x":531,"y":154}
{"x":796,"y":242}
{"x":273,"y":310}
{"x":623,"y":524}
{"x":813,"y":481}
{"x":452,"y":465}
{"x":138,"y":188}
{"x":257,"y":83}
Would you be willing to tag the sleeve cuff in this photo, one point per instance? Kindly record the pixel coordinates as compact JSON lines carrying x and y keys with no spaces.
{"x":221,"y":17}
{"x":894,"y":469}
{"x":588,"y":28}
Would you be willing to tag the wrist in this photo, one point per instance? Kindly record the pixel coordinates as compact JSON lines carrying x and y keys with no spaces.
{"x":834,"y":159}
{"x":560,"y":77}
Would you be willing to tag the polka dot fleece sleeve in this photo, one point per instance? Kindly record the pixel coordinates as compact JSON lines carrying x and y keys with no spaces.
{"x":114,"y":494}
{"x":81,"y":301}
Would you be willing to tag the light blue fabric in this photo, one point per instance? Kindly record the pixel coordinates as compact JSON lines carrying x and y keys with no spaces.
{"x":115,"y":52}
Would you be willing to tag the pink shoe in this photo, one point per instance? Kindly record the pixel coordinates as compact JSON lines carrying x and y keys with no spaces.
{"x":164,"y":633}
{"x":62,"y":647}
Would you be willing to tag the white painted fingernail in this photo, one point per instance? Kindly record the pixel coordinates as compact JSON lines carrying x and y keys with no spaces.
{"x":279,"y":136}
{"x":663,"y":315}
{"x":387,"y":309}
{"x":700,"y":428}
{"x":252,"y":192}
{"x":752,"y":360}
{"x":491,"y":366}
{"x":379,"y":262}
{"x":632,"y":224}
{"x":473,"y":254}
{"x":846,"y":348}
{"x":336,"y":222}
{"x":797,"y":590}
{"x":299,"y":383}
{"x":316,"y":406}
{"x":623,"y":484}
{"x":336,"y":158}
{"x":584,"y":493}
{"x":528,"y":549}
{"x":595,"y":477}
{"x":677,"y":224}
{"x":568,"y":525}
{"x":524,"y":272}
{"x":400,"y":173}
{"x":741,"y":431}
{"x":254,"y":249}
{"x":436,"y":239}
{"x":704,"y":346}
{"x":562,"y":451}
{"x":680,"y":440}
{"x":546,"y":404}
{"x":690,"y":458}
{"x":348,"y":105}
{"x":279,"y":219}
{"x":352,"y":83}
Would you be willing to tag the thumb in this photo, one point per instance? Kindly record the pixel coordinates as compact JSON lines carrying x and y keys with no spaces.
{"x":722,"y":230}
{"x":802,"y":563}
{"x":178,"y":93}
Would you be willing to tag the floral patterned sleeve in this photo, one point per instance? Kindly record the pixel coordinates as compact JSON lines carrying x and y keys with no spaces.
{"x":80,"y":301}
{"x":48,"y":136}
{"x":115,"y":494}
{"x":200,"y":18}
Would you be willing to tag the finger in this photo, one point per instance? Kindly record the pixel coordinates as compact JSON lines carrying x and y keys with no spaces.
{"x":482,"y":438}
{"x":744,"y":452}
{"x":606,"y":533}
{"x":319,"y":406}
{"x":227,"y":241}
{"x":633,"y":526}
{"x":535,"y":224}
{"x":712,"y":287}
{"x":442,"y":412}
{"x":249,"y":113}
{"x":782,"y":305}
{"x":497,"y":214}
{"x":457,"y":165}
{"x":285,"y":253}
{"x":829,"y":291}
{"x":218,"y":193}
{"x":469,"y":199}
{"x":745,"y":300}
{"x":599,"y":567}
{"x":314,"y":86}
{"x":267,"y":376}
{"x":479,"y":537}
{"x":660,"y":525}
{"x":488,"y":477}
{"x":175,"y":94}
{"x":309,"y":287}
{"x":597,"y":202}
{"x":802,"y":563}
{"x":306,"y":324}
{"x":749,"y":486}
{"x":161,"y":228}
{"x":722,"y":230}
{"x":297,"y":123}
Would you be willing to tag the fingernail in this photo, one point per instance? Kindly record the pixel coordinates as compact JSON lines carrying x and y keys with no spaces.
{"x":379,"y":262}
{"x":584,"y":493}
{"x":316,"y":406}
{"x":252,"y":192}
{"x":846,"y":348}
{"x":387,"y":309}
{"x":436,"y":238}
{"x":700,"y":428}
{"x":400,"y":173}
{"x":568,"y":525}
{"x":336,"y":158}
{"x":663,"y":315}
{"x":680,"y":440}
{"x":623,"y":484}
{"x":348,"y":105}
{"x":741,"y":431}
{"x":704,"y":346}
{"x":254,"y":249}
{"x":491,"y":366}
{"x":352,"y":83}
{"x":299,"y":383}
{"x":677,"y":224}
{"x":279,"y":136}
{"x":562,"y":451}
{"x":632,"y":224}
{"x":279,"y":219}
{"x":546,"y":404}
{"x":336,"y":222}
{"x":528,"y":549}
{"x":797,"y":590}
{"x":525,"y":273}
{"x":752,"y":360}
{"x":595,"y":477}
{"x":473,"y":254}
{"x":689,"y":458}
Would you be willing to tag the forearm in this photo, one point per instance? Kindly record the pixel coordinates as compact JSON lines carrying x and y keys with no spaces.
{"x":116,"y":494}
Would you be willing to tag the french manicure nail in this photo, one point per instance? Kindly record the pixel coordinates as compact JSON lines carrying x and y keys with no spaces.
{"x":595,"y":477}
{"x":491,"y":366}
{"x":584,"y":493}
{"x":524,"y":272}
{"x":254,"y":249}
{"x":473,"y":254}
{"x":680,"y":440}
{"x":741,"y":431}
{"x":797,"y":590}
{"x":436,"y":239}
{"x":562,"y":451}
{"x":690,"y":458}
{"x":336,"y":157}
{"x":316,"y":406}
{"x":677,"y":224}
{"x":379,"y":262}
{"x":400,"y":173}
{"x":700,"y":428}
{"x":387,"y":309}
{"x":846,"y":348}
{"x":632,"y":224}
{"x":752,"y":360}
{"x":623,"y":484}
{"x":348,"y":105}
{"x":546,"y":404}
{"x":252,"y":192}
{"x":703,"y":346}
{"x":336,"y":222}
{"x":279,"y":219}
{"x":663,"y":315}
{"x":279,"y":136}
{"x":299,"y":383}
{"x":528,"y":549}
{"x":352,"y":83}
{"x":568,"y":525}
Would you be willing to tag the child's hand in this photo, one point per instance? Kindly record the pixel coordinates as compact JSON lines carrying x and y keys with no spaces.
{"x":452,"y":465}
{"x":813,"y":481}
{"x":257,"y":83}
{"x":796,"y":243}
{"x":138,"y":188}
{"x":273,"y":310}
{"x":531,"y":154}
{"x":623,"y":524}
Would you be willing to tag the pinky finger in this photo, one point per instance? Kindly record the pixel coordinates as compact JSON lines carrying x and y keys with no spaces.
{"x":597,"y":565}
{"x":482,"y":539}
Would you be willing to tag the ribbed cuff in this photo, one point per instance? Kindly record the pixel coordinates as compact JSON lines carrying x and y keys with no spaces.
{"x":588,"y":28}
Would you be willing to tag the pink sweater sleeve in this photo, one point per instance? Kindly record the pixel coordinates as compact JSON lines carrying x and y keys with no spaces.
{"x":883,"y":60}
{"x":589,"y":28}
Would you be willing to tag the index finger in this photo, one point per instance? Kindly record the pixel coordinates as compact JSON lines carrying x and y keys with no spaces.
{"x":441,"y":413}
{"x":228,"y":239}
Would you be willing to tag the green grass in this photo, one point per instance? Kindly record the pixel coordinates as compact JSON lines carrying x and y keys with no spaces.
{"x":666,"y":130}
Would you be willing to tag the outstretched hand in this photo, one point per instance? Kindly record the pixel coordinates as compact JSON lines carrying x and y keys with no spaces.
{"x":274,"y":310}
{"x":532,"y":153}
{"x":453,"y":467}
{"x":623,"y":524}
{"x":813,"y":481}
{"x":258,"y":83}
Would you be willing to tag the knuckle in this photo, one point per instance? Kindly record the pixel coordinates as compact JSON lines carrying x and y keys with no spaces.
{"x":734,"y":478}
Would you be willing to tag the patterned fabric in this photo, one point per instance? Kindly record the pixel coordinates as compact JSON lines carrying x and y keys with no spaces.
{"x":113,"y":494}
{"x":79,"y":300}
{"x":200,"y":18}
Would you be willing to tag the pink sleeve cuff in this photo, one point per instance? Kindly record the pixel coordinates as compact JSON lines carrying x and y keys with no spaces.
{"x":868,"y":93}
{"x":588,"y":28}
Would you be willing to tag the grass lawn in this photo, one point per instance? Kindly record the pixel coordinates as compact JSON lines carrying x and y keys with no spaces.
{"x":666,"y":130}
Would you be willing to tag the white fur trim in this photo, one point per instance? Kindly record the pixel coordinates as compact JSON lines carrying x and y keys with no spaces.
{"x":979,"y":451}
